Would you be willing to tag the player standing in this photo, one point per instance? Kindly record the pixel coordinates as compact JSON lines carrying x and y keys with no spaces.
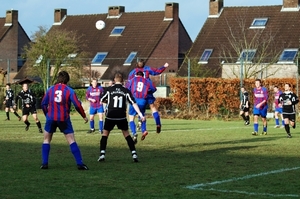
{"x":288,"y":99}
{"x":9,"y":102}
{"x":260,"y":107}
{"x":56,"y":107}
{"x":93,"y":94}
{"x":244,"y":106}
{"x":116,"y":97}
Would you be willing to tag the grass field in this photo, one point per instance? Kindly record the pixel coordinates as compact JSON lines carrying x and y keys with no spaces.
{"x":189,"y":159}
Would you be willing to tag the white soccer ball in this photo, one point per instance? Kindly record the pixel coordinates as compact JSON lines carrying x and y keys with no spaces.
{"x":100,"y":25}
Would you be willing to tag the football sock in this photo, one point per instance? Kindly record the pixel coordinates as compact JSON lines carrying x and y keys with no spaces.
{"x":27,"y":123}
{"x":132,"y":127}
{"x":103,"y":143}
{"x":255,"y":125}
{"x":101,"y":125}
{"x":7,"y":115}
{"x":76,"y":153}
{"x":248,"y":118}
{"x":277,"y":121}
{"x":143,"y":126}
{"x":45,"y":153}
{"x":265,"y":128}
{"x":130,"y":143}
{"x":92,"y":124}
{"x":287,"y":128}
{"x":156,"y":118}
{"x":16,"y":114}
{"x":244,"y":117}
{"x":39,"y":124}
{"x":294,"y":125}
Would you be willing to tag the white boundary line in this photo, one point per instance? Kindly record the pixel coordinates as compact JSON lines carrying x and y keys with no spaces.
{"x":203,"y":186}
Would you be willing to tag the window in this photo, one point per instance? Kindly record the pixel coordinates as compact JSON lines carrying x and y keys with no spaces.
{"x":98,"y":59}
{"x":288,"y":55}
{"x":130,"y":58}
{"x":39,"y":60}
{"x":205,"y":56}
{"x":117,"y":31}
{"x":247,"y":55}
{"x":259,"y":23}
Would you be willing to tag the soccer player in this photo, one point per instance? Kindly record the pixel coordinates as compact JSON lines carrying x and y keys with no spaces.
{"x":28,"y":106}
{"x":139,"y":87}
{"x":56,"y":107}
{"x":116,"y":97}
{"x":260,"y":107}
{"x":9,"y":102}
{"x":288,"y":99}
{"x":278,"y":108}
{"x":244,"y":106}
{"x":147,"y":70}
{"x":93,"y":94}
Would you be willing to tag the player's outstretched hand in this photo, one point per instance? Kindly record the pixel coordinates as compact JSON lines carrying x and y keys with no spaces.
{"x":85,"y":120}
{"x":166,"y":65}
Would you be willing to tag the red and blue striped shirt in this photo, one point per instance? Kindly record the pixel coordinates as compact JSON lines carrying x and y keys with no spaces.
{"x":57,"y":101}
{"x":140,"y":87}
{"x":147,"y":70}
{"x":94,"y":93}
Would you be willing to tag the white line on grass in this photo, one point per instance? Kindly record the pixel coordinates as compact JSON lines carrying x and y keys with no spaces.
{"x":203,"y":186}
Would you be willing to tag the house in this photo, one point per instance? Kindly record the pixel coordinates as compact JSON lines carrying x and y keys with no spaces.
{"x":12,"y":40}
{"x":248,"y":42}
{"x":155,"y":36}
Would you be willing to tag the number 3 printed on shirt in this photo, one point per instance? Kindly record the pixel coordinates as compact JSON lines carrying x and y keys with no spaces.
{"x":58,"y":96}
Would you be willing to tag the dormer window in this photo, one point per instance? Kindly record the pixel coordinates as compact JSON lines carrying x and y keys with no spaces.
{"x":117,"y":31}
{"x":205,"y":56}
{"x":247,"y":55}
{"x":259,"y":23}
{"x":99,"y":58}
{"x":288,"y":55}
{"x":130,"y":57}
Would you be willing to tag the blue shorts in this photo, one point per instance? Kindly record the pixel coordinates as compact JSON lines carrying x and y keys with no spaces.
{"x":64,"y":126}
{"x":142,"y":103}
{"x":279,"y":110}
{"x":93,"y":111}
{"x":150,"y":99}
{"x":260,"y":112}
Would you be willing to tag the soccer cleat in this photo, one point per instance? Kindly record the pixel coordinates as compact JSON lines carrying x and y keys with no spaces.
{"x":82,"y":167}
{"x":7,"y":119}
{"x":27,"y":127}
{"x":264,"y":133}
{"x":276,"y":126}
{"x":44,"y":166}
{"x":282,"y":126}
{"x":135,"y":158}
{"x":144,"y":135}
{"x":101,"y":158}
{"x":91,"y":131}
{"x":247,"y":123}
{"x":289,"y":136}
{"x":254,"y":133}
{"x":40,"y":131}
{"x":158,"y":128}
{"x":134,"y":138}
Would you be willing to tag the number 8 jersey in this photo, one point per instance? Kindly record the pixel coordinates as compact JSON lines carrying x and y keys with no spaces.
{"x":116,"y":97}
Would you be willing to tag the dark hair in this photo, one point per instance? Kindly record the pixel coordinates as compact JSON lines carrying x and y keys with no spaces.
{"x":288,"y":84}
{"x":140,"y":61}
{"x":258,"y":80}
{"x":140,"y":73}
{"x":63,"y":77}
{"x":8,"y":84}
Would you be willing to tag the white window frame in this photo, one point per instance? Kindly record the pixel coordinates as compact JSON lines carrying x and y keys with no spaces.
{"x":248,"y":59}
{"x":117,"y":34}
{"x":99,"y":63}
{"x":129,"y":59}
{"x":257,"y":20}
{"x":287,"y":50}
{"x":205,"y":57}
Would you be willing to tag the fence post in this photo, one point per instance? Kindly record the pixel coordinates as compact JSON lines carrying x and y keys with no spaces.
{"x":189,"y":77}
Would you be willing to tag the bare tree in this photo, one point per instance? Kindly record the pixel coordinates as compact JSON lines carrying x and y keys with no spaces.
{"x":52,"y":51}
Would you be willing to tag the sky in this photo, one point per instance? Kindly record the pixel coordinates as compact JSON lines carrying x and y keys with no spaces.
{"x":193,"y":13}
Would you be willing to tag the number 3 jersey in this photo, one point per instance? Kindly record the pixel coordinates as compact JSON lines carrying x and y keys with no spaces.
{"x":117,"y":97}
{"x":57,"y":102}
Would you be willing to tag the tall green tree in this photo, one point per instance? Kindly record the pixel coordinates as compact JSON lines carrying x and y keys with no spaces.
{"x":52,"y":51}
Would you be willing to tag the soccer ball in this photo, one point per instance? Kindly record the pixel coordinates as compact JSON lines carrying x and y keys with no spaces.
{"x":100,"y":25}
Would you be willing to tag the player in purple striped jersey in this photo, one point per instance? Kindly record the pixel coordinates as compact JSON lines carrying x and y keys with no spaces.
{"x":147,"y":70}
{"x":56,"y":105}
{"x":139,"y":87}
{"x":260,"y":107}
{"x":278,"y":108}
{"x":93,"y":94}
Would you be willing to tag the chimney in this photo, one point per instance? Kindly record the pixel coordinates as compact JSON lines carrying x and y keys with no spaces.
{"x":291,"y":3}
{"x":59,"y":14}
{"x":215,"y":6}
{"x":11,"y":17}
{"x":115,"y":11}
{"x":171,"y":10}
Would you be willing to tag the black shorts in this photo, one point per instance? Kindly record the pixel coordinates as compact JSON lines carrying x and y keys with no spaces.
{"x":27,"y":111}
{"x":9,"y":104}
{"x":245,"y":109}
{"x":291,"y":117}
{"x":109,"y":124}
